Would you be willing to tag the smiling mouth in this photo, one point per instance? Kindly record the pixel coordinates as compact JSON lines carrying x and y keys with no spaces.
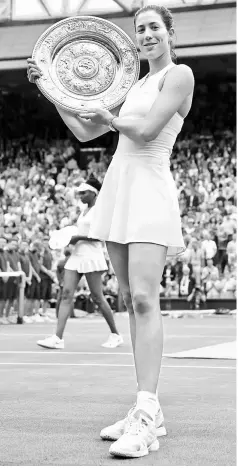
{"x":149,"y":45}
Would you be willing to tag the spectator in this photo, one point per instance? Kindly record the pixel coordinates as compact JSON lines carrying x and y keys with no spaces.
{"x":192,"y":200}
{"x":46,"y":275}
{"x":208,"y":245}
{"x":222,"y":241}
{"x":190,"y":228}
{"x":196,"y":259}
{"x":220,"y":197}
{"x":3,"y":280}
{"x":169,"y":274}
{"x":186,"y":283}
{"x":111,"y":290}
{"x":60,"y":277}
{"x":228,"y":286}
{"x":27,"y":269}
{"x":35,"y":254}
{"x":231,"y":249}
{"x":13,"y":282}
{"x":212,"y":286}
{"x":209,"y":270}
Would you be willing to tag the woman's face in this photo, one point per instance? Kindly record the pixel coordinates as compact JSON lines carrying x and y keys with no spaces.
{"x":151,"y":35}
{"x":87,"y":196}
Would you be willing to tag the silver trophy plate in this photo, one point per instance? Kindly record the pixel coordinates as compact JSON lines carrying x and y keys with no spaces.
{"x":86,"y":60}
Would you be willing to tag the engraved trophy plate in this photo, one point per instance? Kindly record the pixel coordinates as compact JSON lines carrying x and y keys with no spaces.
{"x":86,"y":60}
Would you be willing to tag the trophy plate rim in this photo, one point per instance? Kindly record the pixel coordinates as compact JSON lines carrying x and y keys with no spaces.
{"x":123,"y":51}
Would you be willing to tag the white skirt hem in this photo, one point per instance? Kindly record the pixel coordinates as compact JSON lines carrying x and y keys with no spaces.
{"x":85,"y":265}
{"x":173,"y":249}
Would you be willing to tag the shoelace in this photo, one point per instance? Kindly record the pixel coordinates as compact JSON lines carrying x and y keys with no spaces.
{"x":135,"y":426}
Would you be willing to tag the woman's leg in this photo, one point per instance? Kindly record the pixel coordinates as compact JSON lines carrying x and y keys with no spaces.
{"x":71,"y":280}
{"x":59,"y":295}
{"x":94,"y":280}
{"x":146,"y":264}
{"x":118,"y":254}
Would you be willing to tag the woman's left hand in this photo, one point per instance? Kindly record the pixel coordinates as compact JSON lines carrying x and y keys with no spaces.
{"x":96,"y":115}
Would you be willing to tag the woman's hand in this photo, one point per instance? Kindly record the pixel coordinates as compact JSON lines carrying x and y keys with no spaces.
{"x":97,"y":115}
{"x":33,"y":71}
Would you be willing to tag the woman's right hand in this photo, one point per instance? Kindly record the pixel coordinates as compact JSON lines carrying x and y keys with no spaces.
{"x":33,"y":71}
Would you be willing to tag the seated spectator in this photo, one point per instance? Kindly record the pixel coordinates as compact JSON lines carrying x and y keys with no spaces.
{"x":172,"y":289}
{"x":169,"y":275}
{"x":228,"y":286}
{"x":192,"y":200}
{"x":111,"y":290}
{"x":208,"y":270}
{"x":186,"y":282}
{"x":212,"y":286}
{"x":231,"y":249}
{"x":190,"y":228}
{"x":209,"y":247}
{"x":220,"y":197}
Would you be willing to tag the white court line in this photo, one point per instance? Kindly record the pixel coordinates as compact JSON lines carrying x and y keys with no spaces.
{"x":65,"y":352}
{"x":231,"y":327}
{"x":80,"y":353}
{"x":23,"y":334}
{"x":106,"y":365}
{"x":124,"y":334}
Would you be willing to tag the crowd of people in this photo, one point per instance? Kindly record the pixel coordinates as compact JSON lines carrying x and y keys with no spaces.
{"x":38,"y":195}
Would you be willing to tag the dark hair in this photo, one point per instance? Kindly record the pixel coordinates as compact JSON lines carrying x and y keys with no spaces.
{"x":167,"y":18}
{"x":67,"y":252}
{"x":94,"y":182}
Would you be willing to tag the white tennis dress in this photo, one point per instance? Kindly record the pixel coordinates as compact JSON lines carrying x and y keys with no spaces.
{"x":87,"y":256}
{"x":138,"y":200}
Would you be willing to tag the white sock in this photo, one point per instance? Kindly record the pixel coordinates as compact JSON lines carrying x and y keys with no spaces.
{"x":158,"y":407}
{"x":147,"y":402}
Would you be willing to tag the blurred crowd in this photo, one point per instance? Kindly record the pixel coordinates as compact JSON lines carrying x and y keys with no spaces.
{"x":38,"y":193}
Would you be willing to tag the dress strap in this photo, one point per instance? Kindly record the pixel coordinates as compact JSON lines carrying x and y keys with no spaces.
{"x":162,"y":78}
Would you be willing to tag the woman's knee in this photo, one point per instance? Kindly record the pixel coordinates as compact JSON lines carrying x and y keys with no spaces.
{"x":67,"y":295}
{"x":142,"y":302}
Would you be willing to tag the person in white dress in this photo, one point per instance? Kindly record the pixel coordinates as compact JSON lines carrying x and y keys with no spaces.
{"x":137,"y":211}
{"x":87,"y":258}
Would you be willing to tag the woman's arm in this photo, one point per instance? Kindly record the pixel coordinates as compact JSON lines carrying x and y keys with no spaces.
{"x":35,"y":274}
{"x":84,"y":130}
{"x":75,"y":239}
{"x":177,"y":87}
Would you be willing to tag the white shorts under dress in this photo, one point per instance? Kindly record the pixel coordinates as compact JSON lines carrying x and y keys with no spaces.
{"x":87,"y":256}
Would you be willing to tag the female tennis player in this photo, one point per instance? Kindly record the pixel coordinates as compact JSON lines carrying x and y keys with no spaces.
{"x":137,"y":210}
{"x":87,"y":258}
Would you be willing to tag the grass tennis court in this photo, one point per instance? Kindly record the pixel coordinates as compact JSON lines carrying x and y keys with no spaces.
{"x":55,"y":402}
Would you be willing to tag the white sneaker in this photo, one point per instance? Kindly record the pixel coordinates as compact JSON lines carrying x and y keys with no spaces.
{"x":138,"y":439}
{"x":52,"y":342}
{"x":116,"y":430}
{"x":113,"y":341}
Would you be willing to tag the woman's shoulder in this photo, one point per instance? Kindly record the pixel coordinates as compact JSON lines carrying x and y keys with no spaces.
{"x":181,"y":73}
